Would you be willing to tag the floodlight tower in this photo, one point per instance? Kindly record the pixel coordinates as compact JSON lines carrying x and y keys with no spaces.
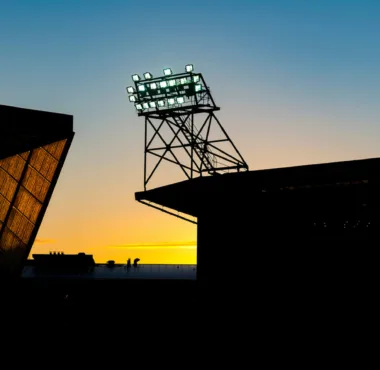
{"x":169,"y":104}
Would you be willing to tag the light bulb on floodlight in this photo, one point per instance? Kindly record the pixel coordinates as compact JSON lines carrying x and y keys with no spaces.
{"x":189,"y":68}
{"x":171,"y":82}
{"x":152,"y":104}
{"x":183,"y":80}
{"x":163,"y":84}
{"x":135,"y":77}
{"x":132,"y":98}
{"x":198,"y":88}
{"x":160,"y":103}
{"x":171,"y":101}
{"x":130,"y":90}
{"x":180,"y":100}
{"x":147,"y":75}
{"x":196,"y":78}
{"x":153,"y":86}
{"x":139,"y":106}
{"x":167,"y":71}
{"x":145,"y":105}
{"x":141,"y":87}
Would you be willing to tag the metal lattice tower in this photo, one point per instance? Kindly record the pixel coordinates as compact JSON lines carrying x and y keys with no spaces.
{"x":170,"y":104}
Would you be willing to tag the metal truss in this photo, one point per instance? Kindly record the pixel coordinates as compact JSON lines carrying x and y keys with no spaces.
{"x":171,"y":133}
{"x":203,"y":152}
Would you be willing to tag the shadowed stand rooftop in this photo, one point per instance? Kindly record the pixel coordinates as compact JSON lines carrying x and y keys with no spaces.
{"x":33,"y":148}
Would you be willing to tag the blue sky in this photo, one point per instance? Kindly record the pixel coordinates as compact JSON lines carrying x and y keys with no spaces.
{"x":297,"y":83}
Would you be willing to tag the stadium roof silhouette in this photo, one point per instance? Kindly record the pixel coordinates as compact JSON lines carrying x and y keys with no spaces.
{"x":193,"y":196}
{"x":279,"y":227}
{"x":33,"y":148}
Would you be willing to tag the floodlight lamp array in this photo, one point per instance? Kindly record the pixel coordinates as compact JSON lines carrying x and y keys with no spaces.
{"x":166,"y":92}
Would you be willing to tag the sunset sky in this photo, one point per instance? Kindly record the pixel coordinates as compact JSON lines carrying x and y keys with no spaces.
{"x":298,"y":82}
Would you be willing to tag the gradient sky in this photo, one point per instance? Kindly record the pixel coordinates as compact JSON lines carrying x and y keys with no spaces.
{"x":298,"y":82}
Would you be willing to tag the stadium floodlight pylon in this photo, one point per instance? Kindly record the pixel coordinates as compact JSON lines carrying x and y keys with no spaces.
{"x":169,"y":105}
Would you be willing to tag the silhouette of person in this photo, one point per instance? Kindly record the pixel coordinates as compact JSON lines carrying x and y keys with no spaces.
{"x":135,"y":261}
{"x":129,"y":262}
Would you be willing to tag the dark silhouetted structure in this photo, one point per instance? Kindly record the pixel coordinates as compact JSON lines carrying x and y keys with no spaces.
{"x":33,"y":148}
{"x":59,"y":262}
{"x":296,"y":227}
{"x":278,"y":246}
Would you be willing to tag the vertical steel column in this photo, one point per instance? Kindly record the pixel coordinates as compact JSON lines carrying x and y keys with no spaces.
{"x":145,"y":150}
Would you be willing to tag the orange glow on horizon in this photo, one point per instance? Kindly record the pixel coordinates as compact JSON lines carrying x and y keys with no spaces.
{"x":149,"y":253}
